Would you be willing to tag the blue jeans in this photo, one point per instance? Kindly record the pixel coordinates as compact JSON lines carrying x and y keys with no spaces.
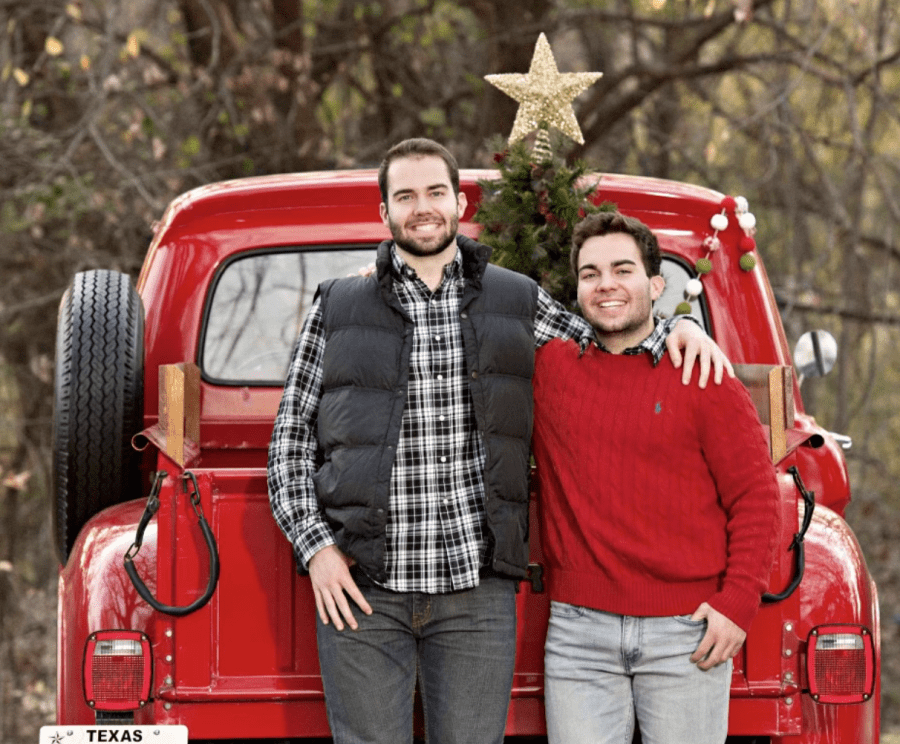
{"x":601,"y":670}
{"x":463,"y":645}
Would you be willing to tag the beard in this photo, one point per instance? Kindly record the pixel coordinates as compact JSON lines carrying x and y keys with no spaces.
{"x":419,"y":248}
{"x":635,"y":323}
{"x":626,"y":326}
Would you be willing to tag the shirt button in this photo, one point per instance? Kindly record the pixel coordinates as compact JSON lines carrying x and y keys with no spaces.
{"x":443,"y":459}
{"x":440,"y":377}
{"x":441,"y":418}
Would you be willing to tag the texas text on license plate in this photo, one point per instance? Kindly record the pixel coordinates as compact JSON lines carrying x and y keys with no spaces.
{"x":103,"y":734}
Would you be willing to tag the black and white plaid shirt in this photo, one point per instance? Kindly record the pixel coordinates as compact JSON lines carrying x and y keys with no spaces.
{"x":654,"y":344}
{"x":435,"y":529}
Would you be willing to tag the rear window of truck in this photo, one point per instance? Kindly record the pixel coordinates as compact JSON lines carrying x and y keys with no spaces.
{"x":257,"y":307}
{"x":259,"y":301}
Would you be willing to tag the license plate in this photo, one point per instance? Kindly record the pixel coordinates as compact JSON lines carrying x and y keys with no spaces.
{"x":103,"y":734}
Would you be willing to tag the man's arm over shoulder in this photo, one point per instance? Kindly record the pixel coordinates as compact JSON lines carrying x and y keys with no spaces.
{"x":687,"y":343}
{"x":552,"y":320}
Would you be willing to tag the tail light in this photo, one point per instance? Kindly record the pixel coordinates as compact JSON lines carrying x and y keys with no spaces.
{"x":840,"y":664}
{"x":117,"y":670}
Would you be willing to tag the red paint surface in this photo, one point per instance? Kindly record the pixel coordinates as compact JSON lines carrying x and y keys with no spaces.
{"x":245,"y":665}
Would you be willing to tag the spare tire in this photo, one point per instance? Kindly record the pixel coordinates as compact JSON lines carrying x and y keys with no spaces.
{"x":98,"y":400}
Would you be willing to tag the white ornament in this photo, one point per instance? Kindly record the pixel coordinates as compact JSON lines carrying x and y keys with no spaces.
{"x":740,"y":204}
{"x":693,"y":288}
{"x":719,"y":222}
{"x":712,"y":243}
{"x":747,"y":221}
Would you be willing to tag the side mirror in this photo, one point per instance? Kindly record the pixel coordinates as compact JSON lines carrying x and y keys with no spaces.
{"x":815,"y":354}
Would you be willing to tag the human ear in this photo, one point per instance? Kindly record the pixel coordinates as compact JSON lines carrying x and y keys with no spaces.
{"x":461,"y":202}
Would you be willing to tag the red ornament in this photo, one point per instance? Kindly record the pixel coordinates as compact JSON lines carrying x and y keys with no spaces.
{"x":728,"y":203}
{"x":747,"y":243}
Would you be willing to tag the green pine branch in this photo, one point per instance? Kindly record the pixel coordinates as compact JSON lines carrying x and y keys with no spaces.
{"x":528,"y":213}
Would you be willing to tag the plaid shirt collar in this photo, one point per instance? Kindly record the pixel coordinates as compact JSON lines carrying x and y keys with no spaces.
{"x":654,"y":344}
{"x":401,"y":269}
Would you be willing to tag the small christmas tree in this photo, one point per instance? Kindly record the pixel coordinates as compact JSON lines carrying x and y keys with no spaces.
{"x":529,"y":211}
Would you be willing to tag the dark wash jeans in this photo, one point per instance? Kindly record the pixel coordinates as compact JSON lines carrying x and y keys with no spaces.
{"x":462,"y":644}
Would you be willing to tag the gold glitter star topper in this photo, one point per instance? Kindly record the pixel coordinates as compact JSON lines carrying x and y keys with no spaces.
{"x":545,"y":94}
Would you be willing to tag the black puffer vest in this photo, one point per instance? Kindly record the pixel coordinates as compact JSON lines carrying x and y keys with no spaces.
{"x":365,"y":377}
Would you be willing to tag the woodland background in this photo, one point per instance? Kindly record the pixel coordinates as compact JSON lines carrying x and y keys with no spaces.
{"x":109,"y":109}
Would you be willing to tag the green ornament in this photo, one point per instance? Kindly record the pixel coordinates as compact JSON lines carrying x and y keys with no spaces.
{"x":748,"y":262}
{"x":703,"y":265}
{"x":683,"y":308}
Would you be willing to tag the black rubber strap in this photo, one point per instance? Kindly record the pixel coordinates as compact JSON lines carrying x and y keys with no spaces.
{"x":796,"y":545}
{"x":149,"y":511}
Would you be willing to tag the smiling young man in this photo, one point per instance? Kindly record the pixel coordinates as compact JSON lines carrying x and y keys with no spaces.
{"x":658,"y":513}
{"x":423,"y":213}
{"x":398,"y":467}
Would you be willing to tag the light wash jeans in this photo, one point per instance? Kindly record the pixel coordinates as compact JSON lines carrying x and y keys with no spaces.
{"x":463,"y":645}
{"x":603,"y":669}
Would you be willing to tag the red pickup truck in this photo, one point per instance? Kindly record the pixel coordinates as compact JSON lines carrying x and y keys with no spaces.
{"x":179,"y":599}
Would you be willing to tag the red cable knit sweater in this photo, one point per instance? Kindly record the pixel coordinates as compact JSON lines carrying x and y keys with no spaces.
{"x":655,"y":496}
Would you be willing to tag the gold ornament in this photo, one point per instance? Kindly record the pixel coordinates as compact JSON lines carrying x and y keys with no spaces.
{"x":545,"y":94}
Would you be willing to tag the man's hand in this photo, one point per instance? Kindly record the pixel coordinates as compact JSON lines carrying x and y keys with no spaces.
{"x":329,"y":571}
{"x":364,"y":270}
{"x":722,"y":640}
{"x":689,"y":336}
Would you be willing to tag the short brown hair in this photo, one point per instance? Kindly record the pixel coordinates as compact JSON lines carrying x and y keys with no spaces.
{"x":607,"y":223}
{"x":417,"y":147}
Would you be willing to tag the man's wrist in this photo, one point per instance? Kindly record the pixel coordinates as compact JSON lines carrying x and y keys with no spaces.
{"x":312,"y":544}
{"x":670,"y":323}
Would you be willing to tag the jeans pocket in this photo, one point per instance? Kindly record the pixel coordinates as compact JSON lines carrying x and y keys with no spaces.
{"x":566,"y":610}
{"x":686,"y":620}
